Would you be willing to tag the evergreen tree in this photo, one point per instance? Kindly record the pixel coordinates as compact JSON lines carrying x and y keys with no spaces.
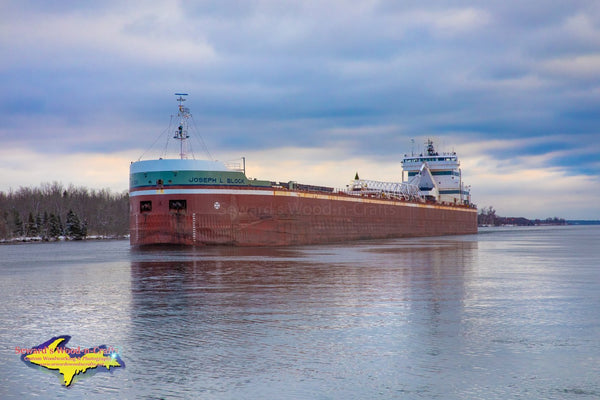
{"x":17,"y":224}
{"x":31,"y":229}
{"x":4,"y":231}
{"x":73,"y":226}
{"x":45,"y":230}
{"x":54,"y":228}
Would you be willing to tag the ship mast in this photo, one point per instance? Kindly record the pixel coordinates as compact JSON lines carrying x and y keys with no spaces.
{"x":181,"y":133}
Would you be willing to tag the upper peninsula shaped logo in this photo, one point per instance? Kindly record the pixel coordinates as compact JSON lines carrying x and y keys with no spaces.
{"x":70,"y":362}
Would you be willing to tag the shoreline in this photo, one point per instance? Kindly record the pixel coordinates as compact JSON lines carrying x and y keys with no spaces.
{"x":61,"y":239}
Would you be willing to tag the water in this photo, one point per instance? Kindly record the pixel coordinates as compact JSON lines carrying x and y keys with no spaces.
{"x":509,"y":313}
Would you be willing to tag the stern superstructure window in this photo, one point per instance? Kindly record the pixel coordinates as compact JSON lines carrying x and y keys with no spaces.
{"x":177,"y":205}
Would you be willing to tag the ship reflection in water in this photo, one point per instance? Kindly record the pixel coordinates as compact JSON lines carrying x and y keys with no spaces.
{"x":510,"y":313}
{"x":304,"y":322}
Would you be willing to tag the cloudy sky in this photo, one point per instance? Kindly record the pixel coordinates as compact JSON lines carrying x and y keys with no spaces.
{"x":311,"y":91}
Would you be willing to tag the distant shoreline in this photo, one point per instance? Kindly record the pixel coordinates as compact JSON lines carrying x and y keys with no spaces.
{"x":61,"y":239}
{"x":567,"y":223}
{"x":581,"y":223}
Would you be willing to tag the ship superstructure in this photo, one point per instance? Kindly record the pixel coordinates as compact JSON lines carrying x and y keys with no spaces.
{"x":205,"y":202}
{"x":438,"y":175}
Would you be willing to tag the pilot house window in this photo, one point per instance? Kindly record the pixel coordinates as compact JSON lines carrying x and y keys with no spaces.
{"x":145,"y":206}
{"x":177,"y":205}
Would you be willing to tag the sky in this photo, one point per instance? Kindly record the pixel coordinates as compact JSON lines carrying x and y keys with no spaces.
{"x":311,"y":91}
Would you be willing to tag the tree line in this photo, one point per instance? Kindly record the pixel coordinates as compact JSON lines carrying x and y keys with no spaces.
{"x":487,"y":217}
{"x":53,"y":210}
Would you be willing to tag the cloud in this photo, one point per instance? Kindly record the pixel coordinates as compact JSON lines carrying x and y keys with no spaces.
{"x":23,"y":167}
{"x":449,"y":22}
{"x":534,"y":192}
{"x":577,"y":67}
{"x":337,"y":85}
{"x":519,"y":183}
{"x":74,"y":39}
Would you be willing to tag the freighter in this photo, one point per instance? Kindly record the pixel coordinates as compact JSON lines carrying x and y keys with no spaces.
{"x":192,"y":202}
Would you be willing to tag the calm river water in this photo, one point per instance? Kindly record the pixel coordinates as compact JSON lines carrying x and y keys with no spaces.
{"x":509,"y":313}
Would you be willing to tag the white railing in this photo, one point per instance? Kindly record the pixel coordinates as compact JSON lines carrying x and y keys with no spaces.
{"x":239,"y":164}
{"x":234,"y":166}
{"x":400,"y":190}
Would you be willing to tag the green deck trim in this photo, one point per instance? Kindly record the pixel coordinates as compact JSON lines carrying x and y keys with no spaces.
{"x":180,"y":178}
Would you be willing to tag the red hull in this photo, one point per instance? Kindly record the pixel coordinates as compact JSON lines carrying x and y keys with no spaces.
{"x":276,"y":217}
